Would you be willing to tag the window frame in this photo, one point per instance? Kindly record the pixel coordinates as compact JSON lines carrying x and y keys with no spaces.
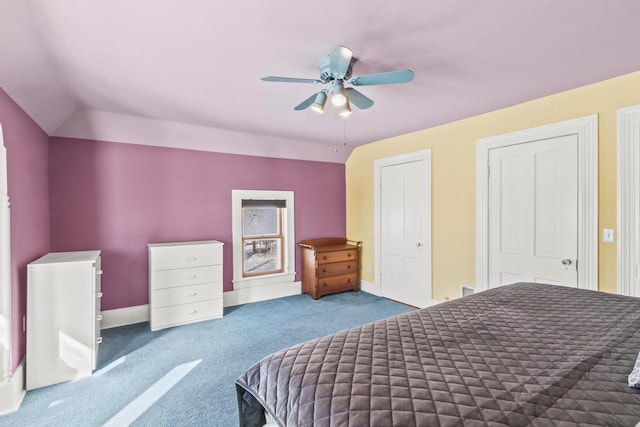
{"x":288,"y":232}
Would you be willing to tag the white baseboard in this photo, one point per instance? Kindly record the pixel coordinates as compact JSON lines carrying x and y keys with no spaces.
{"x":370,"y":287}
{"x":125,"y":316}
{"x":12,"y":391}
{"x":140,"y":313}
{"x":261,"y":293}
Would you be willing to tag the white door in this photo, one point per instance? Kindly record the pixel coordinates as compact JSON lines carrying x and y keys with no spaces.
{"x":405,"y":253}
{"x":629,"y":201}
{"x":533,"y":212}
{"x":5,"y":269}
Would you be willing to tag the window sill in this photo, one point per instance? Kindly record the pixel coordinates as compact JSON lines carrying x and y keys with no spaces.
{"x":272,"y":279}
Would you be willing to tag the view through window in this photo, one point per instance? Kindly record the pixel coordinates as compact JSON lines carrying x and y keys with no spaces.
{"x":262,"y":237}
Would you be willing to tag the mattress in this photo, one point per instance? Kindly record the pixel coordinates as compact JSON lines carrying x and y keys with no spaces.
{"x":523,"y":354}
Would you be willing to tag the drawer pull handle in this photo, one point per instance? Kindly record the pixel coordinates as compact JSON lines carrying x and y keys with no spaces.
{"x":99,"y":340}
{"x":348,"y":280}
{"x":195,"y":294}
{"x":193,"y":312}
{"x":324,"y":257}
{"x":195,"y":258}
{"x":195,"y":276}
{"x":324,"y":270}
{"x":348,"y":267}
{"x":99,"y":295}
{"x":349,"y":254}
{"x":99,"y":317}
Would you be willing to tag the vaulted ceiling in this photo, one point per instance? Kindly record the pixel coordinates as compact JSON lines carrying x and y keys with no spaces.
{"x":187,"y":73}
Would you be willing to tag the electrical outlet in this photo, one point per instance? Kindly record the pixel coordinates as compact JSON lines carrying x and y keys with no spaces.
{"x":608,"y":235}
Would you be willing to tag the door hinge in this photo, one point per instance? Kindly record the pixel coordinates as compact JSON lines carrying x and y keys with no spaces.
{"x":488,"y":171}
{"x":576,"y":265}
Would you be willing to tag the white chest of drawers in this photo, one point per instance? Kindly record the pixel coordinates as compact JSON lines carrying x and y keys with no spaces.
{"x":185,"y":282}
{"x":63,"y":317}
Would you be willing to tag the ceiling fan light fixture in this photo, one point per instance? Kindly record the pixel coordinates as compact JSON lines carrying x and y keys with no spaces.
{"x":344,"y":110}
{"x":339,"y":97}
{"x":318,"y":104}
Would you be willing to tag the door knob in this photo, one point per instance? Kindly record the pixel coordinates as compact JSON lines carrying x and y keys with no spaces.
{"x":566,"y":261}
{"x":418,"y":244}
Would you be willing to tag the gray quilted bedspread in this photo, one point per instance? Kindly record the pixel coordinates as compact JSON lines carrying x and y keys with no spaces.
{"x":524,"y":354}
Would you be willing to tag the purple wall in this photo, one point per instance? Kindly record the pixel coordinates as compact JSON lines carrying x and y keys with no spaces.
{"x":119,"y":197}
{"x":28,"y":182}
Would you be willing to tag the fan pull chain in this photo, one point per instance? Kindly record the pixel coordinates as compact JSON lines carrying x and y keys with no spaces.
{"x":344,"y":133}
{"x":344,"y":136}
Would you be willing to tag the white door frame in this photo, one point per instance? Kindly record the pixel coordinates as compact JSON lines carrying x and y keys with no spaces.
{"x":378,"y":164}
{"x":586,"y":130}
{"x":5,"y":269}
{"x":628,"y":200}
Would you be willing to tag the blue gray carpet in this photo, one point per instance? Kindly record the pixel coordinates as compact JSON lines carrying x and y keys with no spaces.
{"x":184,"y":376}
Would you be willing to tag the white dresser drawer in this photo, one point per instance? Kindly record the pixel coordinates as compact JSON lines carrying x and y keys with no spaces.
{"x":167,"y":259}
{"x":97,"y":303}
{"x":185,"y":276}
{"x":186,"y":294}
{"x":97,"y":339}
{"x":185,"y":313}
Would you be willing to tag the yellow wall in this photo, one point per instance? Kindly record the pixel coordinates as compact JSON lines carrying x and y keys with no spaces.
{"x":453,"y":177}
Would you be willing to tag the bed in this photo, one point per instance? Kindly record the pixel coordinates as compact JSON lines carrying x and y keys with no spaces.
{"x":523,"y":354}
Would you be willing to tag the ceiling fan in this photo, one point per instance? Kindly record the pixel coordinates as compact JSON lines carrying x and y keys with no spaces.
{"x":335,"y":70}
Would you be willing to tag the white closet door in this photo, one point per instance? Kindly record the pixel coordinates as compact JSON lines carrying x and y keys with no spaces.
{"x":405,"y":272}
{"x":533,"y":212}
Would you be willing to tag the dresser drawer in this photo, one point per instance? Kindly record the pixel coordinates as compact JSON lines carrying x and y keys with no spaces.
{"x":97,"y":339}
{"x":185,"y":276}
{"x":97,"y":327}
{"x":337,"y":268}
{"x":347,"y":280}
{"x":98,"y":271}
{"x":185,"y":313}
{"x":186,"y":294}
{"x":185,"y":257}
{"x":97,"y":305}
{"x":337,"y":256}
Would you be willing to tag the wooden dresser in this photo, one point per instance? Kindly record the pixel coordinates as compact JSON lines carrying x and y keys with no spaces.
{"x":185,"y":282}
{"x":329,"y":265}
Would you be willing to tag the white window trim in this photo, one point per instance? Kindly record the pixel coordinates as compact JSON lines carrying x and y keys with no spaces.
{"x":628,"y":200}
{"x":586,"y":129}
{"x":288,"y":229}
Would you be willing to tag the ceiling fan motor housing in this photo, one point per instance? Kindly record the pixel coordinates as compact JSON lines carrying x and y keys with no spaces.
{"x":325,"y":70}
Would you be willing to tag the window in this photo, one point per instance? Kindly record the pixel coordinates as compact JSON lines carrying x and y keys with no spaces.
{"x":263,"y":238}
